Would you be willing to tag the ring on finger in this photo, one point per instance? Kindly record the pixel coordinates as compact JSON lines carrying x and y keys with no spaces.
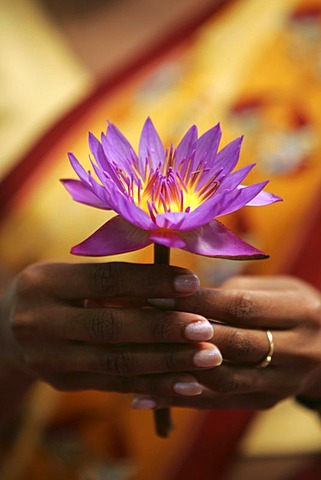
{"x":268,"y":358}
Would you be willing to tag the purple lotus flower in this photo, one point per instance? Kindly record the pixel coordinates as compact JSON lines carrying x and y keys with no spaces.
{"x":169,"y":197}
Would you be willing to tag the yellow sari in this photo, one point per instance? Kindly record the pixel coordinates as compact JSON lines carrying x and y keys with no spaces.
{"x":253,"y":67}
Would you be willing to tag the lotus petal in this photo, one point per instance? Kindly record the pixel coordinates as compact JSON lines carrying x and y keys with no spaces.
{"x":215,"y":240}
{"x":207,"y":145}
{"x":236,"y":199}
{"x":78,"y":168}
{"x":187,"y":145}
{"x":117,"y":148}
{"x":82,"y":194}
{"x":264,"y":198}
{"x":126,"y":208}
{"x":171,"y":197}
{"x":232,"y":181}
{"x":150,"y":145}
{"x":227,"y":158}
{"x":167,"y":238}
{"x":115,"y":236}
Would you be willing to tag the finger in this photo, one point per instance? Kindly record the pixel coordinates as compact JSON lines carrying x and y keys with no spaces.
{"x":115,"y":279}
{"x":118,"y":325}
{"x":232,"y":385}
{"x":121,"y":360}
{"x":208,"y":400}
{"x":164,"y":385}
{"x":250,"y":347}
{"x":114,"y":325}
{"x":264,"y":282}
{"x":236,"y":380}
{"x":119,"y":302}
{"x":256,"y":309}
{"x":240,"y":345}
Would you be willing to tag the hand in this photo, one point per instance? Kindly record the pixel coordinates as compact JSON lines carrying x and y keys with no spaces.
{"x":246,"y":308}
{"x":89,"y":326}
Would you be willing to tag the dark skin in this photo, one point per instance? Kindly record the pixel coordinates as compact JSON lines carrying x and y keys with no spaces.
{"x":89,"y":326}
{"x":96,"y":326}
{"x":248,"y":306}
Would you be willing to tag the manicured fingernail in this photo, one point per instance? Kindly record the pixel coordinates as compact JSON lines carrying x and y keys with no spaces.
{"x":188,"y":389}
{"x":162,"y":303}
{"x":186,"y":283}
{"x":208,"y":358}
{"x":201,"y":330}
{"x":143,"y":403}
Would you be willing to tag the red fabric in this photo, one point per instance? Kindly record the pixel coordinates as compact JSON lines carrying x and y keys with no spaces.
{"x":213,"y":446}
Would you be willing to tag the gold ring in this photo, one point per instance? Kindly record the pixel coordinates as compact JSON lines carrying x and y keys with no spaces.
{"x":267,"y":360}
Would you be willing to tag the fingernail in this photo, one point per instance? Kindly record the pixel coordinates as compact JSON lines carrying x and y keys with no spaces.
{"x":143,"y":403}
{"x":188,"y":389}
{"x":162,"y":303}
{"x":186,"y":283}
{"x":208,"y":358}
{"x":201,"y":330}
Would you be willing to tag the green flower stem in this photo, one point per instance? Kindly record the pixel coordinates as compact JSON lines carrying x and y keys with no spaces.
{"x":162,"y":416}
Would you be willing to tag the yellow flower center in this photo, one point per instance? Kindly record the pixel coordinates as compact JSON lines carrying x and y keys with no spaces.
{"x":169,"y":187}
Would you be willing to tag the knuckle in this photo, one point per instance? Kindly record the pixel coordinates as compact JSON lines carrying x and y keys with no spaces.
{"x":117,"y":362}
{"x":313,"y":312}
{"x":231,"y":384}
{"x":240,"y":305}
{"x":240,"y":344}
{"x":28,"y":279}
{"x":161,"y":328}
{"x":172,"y":362}
{"x":105,"y":325}
{"x":108,"y":278}
{"x":22,"y":325}
{"x":155,"y":275}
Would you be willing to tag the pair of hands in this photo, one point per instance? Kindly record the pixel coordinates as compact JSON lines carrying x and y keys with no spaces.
{"x":145,"y":329}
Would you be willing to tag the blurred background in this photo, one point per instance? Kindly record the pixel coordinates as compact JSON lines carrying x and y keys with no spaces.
{"x":68,"y":66}
{"x":54,"y":52}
